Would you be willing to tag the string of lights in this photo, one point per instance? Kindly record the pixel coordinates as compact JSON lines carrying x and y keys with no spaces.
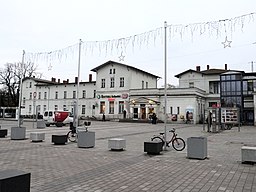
{"x":120,"y":45}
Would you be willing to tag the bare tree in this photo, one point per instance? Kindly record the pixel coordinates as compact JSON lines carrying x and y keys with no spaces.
{"x":10,"y":77}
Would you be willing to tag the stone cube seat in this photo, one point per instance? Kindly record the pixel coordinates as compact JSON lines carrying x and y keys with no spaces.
{"x":117,"y":144}
{"x":37,"y":137}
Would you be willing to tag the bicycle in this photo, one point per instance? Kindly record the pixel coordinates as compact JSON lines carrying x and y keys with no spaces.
{"x":177,"y":143}
{"x":72,"y":135}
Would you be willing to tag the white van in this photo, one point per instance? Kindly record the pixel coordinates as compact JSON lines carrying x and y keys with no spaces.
{"x":63,"y":118}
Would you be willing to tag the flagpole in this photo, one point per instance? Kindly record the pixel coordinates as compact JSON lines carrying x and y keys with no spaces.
{"x":165,"y":82}
{"x":20,"y":93}
{"x":78,"y":80}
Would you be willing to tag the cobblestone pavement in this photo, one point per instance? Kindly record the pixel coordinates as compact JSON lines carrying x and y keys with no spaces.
{"x":68,"y":168}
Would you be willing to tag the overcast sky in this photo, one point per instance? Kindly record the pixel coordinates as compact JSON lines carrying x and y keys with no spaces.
{"x":49,"y":25}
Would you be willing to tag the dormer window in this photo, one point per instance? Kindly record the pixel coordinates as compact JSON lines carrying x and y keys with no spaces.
{"x":191,"y":84}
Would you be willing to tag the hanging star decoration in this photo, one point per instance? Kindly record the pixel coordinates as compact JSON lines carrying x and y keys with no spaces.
{"x":121,"y":57}
{"x":226,"y":43}
{"x":50,"y":67}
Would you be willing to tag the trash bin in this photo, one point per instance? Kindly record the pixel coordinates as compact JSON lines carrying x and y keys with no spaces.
{"x":197,"y":147}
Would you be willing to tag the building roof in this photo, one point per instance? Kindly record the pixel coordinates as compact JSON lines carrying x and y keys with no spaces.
{"x":116,"y":63}
{"x":204,"y":72}
{"x":52,"y":82}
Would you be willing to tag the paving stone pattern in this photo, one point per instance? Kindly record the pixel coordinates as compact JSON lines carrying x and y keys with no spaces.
{"x":67,"y":168}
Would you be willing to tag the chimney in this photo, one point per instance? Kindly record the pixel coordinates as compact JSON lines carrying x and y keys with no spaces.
{"x":53,"y":79}
{"x":58,"y":80}
{"x":208,"y":67}
{"x":67,"y":80}
{"x":90,"y":77}
{"x":76,"y":79}
{"x":226,"y":67}
{"x":197,"y":68}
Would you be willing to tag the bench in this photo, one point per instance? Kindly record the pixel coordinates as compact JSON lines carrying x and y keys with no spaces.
{"x":14,"y":181}
{"x":153,"y":147}
{"x":116,"y":144}
{"x":3,"y":132}
{"x":248,"y":154}
{"x":37,"y":137}
{"x":59,"y":139}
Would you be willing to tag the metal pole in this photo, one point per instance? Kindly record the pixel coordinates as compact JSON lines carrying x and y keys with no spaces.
{"x":78,"y":80}
{"x":165,"y":82}
{"x":20,"y":95}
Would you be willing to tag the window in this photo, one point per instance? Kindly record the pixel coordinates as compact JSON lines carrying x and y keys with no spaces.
{"x":30,"y":108}
{"x":24,"y":100}
{"x":65,"y":95}
{"x":38,"y":108}
{"x":64,"y":108}
{"x":121,"y":107}
{"x":121,"y":81}
{"x":114,"y":71}
{"x":112,"y":82}
{"x":74,"y":94}
{"x":142,"y":84}
{"x":56,"y":95}
{"x":55,"y":107}
{"x":103,"y":83}
{"x":111,"y":107}
{"x":191,"y":84}
{"x":216,"y":87}
{"x":94,"y":94}
{"x":146,"y":85}
{"x":30,"y":95}
{"x":83,"y":109}
{"x":102,"y":107}
{"x":171,"y":110}
{"x":44,"y":107}
{"x":30,"y":84}
{"x":84,"y":94}
{"x":178,"y":110}
{"x":45,"y":95}
{"x":110,"y":71}
{"x":39,"y":95}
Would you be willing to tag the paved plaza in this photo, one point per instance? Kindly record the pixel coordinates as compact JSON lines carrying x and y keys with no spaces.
{"x":67,"y":168}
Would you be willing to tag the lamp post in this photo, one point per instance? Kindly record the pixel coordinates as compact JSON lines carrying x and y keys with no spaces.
{"x":20,"y":94}
{"x":165,"y":81}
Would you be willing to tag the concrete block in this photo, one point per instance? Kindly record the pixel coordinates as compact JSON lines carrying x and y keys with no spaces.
{"x":3,"y":132}
{"x":18,"y":133}
{"x":37,"y":137}
{"x":248,"y":154}
{"x":197,"y":147}
{"x":153,"y":147}
{"x":14,"y":181}
{"x":116,"y":143}
{"x":59,"y":139}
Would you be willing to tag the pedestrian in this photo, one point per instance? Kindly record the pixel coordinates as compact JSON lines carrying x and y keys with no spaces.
{"x":187,"y":117}
{"x":124,"y":114}
{"x":154,"y":118}
{"x":103,"y":117}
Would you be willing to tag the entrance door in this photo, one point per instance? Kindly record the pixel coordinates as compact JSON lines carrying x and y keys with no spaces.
{"x":248,"y":117}
{"x":143,"y":113}
{"x":135,"y":113}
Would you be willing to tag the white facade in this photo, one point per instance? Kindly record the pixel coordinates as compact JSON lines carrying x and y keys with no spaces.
{"x":119,"y":87}
{"x":51,"y":95}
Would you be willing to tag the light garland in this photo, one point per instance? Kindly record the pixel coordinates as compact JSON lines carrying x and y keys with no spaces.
{"x":213,"y":28}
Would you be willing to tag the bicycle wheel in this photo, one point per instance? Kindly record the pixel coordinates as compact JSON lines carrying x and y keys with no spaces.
{"x":178,"y":144}
{"x":159,"y":139}
{"x":71,"y":136}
